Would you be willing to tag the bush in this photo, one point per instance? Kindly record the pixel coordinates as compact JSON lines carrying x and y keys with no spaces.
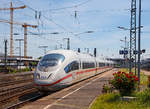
{"x":124,"y":82}
{"x":107,"y":88}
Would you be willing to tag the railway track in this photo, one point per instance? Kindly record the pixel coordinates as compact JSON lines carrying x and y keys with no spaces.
{"x":9,"y":83}
{"x":32,"y":98}
{"x":15,"y":77}
{"x":11,"y":96}
{"x":4,"y":94}
{"x":21,"y":103}
{"x":12,"y":87}
{"x":9,"y":101}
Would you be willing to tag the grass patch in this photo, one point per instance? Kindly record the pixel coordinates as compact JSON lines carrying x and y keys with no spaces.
{"x":144,"y":79}
{"x":113,"y":101}
{"x":144,"y":97}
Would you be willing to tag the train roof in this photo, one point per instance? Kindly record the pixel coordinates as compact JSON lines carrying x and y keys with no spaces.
{"x":82,"y":56}
{"x":66,"y":53}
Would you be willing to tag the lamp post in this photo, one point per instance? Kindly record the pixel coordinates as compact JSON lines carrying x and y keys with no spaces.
{"x":20,"y":49}
{"x":90,"y":31}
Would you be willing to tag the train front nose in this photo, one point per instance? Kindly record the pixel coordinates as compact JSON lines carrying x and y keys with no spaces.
{"x":44,"y":78}
{"x":44,"y":82}
{"x":47,"y":70}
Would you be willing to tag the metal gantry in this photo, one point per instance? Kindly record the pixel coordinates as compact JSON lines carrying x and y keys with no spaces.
{"x":133,"y":36}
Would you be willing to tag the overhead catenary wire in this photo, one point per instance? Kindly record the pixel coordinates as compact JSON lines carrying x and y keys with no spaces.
{"x":74,"y":6}
{"x":52,"y":21}
{"x":57,"y":24}
{"x":77,"y":5}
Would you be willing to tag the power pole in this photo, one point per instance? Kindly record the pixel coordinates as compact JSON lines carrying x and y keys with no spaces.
{"x":95,"y":52}
{"x":5,"y":41}
{"x":25,"y":25}
{"x":139,"y":43}
{"x":133,"y":36}
{"x":68,"y":43}
{"x":11,"y":24}
{"x":11,"y":29}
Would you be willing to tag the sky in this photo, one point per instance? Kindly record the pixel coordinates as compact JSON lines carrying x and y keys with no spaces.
{"x":73,"y":19}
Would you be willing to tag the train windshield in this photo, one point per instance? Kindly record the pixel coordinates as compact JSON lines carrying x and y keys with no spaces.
{"x":49,"y":61}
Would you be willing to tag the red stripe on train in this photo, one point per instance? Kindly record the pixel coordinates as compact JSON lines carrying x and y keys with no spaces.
{"x":56,"y":81}
{"x":68,"y":77}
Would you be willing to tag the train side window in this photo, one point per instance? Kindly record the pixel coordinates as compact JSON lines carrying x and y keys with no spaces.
{"x":75,"y":65}
{"x":72,"y":66}
{"x":67,"y":68}
{"x":86,"y":65}
{"x":101,"y":64}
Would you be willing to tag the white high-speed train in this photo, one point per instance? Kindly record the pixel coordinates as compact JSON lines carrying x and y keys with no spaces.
{"x":61,"y":68}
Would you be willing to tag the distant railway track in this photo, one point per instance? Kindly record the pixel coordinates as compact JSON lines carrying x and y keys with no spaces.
{"x":10,"y":91}
{"x":8,"y":83}
{"x":14,"y":93}
{"x":14,"y":86}
{"x":14,"y":77}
